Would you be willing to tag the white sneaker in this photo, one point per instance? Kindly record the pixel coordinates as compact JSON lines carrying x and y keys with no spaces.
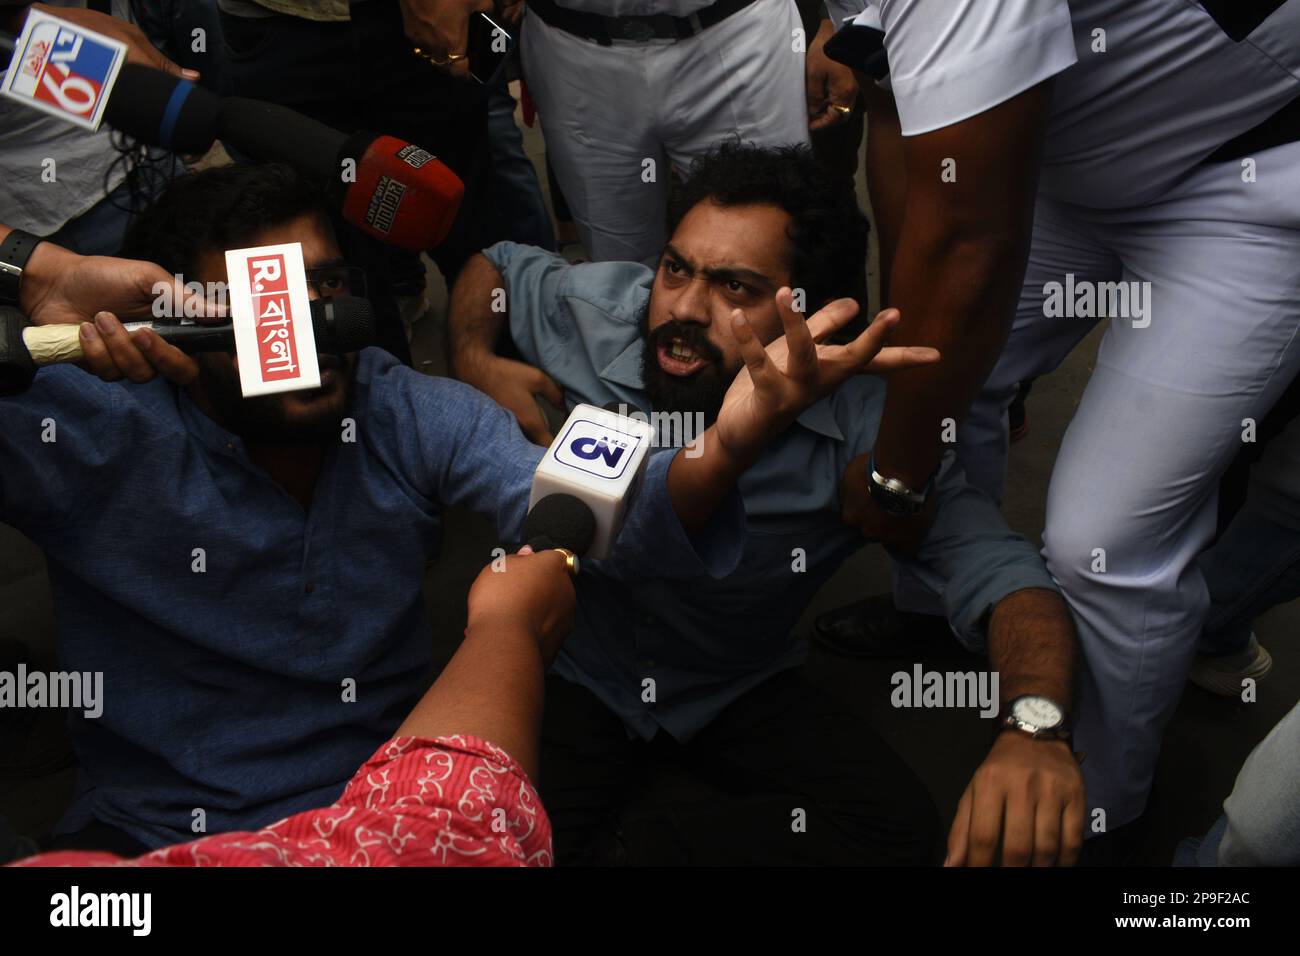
{"x":1223,"y":675}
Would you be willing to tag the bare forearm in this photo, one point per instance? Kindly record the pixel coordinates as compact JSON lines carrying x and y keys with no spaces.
{"x":473,"y":327}
{"x":886,"y":179}
{"x":1032,"y":646}
{"x":492,"y":688}
{"x":957,"y":272}
{"x":959,"y":294}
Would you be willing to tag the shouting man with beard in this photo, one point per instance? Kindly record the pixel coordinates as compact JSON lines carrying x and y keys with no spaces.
{"x":246,"y":574}
{"x":704,"y":673}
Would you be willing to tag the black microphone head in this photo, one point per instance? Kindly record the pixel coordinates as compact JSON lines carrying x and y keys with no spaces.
{"x":271,"y":133}
{"x":562,"y":521}
{"x":343,"y":324}
{"x":163,"y":110}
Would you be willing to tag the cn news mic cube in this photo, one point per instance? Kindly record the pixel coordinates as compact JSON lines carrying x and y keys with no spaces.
{"x":598,"y":456}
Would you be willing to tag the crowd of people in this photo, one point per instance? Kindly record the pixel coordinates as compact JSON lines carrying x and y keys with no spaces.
{"x":246,"y":573}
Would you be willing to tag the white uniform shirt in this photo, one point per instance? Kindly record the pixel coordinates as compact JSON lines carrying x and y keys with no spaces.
{"x":1145,"y":89}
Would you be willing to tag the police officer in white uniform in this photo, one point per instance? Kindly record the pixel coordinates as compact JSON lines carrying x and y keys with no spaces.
{"x":624,"y":88}
{"x":1032,"y":154}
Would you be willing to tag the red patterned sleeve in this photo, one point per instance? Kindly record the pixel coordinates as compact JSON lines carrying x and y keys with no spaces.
{"x":446,"y":801}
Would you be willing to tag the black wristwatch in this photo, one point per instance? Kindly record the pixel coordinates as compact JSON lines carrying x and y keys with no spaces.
{"x":894,"y":496}
{"x":16,"y":249}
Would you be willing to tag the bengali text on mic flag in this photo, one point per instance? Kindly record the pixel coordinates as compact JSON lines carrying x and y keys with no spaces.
{"x":271,"y":313}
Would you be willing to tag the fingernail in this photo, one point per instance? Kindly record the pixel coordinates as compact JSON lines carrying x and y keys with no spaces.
{"x":87,"y":331}
{"x":526,"y":549}
{"x":103,"y":321}
{"x":190,"y":74}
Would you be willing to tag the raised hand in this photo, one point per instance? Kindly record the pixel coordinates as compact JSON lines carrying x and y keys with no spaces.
{"x":798,"y":369}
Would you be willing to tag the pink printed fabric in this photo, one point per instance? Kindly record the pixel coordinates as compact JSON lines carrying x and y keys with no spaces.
{"x":446,"y":801}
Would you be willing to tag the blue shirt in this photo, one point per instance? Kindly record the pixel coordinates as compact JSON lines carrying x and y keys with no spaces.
{"x":705,"y":641}
{"x":227,"y":621}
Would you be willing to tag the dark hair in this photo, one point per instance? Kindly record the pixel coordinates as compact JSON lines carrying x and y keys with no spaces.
{"x":827,"y":229}
{"x":217,"y":209}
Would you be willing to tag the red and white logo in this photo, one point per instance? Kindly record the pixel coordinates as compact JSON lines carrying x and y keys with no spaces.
{"x":63,"y":69}
{"x":271,"y":312}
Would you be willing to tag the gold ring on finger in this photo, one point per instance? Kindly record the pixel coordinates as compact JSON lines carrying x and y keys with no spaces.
{"x":571,"y":563}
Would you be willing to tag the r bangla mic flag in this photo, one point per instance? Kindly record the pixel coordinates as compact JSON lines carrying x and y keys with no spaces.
{"x":271,"y":314}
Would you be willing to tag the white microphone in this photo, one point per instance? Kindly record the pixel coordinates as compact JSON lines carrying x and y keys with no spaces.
{"x":598,"y":457}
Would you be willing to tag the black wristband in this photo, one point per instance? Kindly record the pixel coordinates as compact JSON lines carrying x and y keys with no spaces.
{"x":16,"y":249}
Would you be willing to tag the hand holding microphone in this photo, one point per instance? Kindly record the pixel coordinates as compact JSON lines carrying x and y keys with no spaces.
{"x":58,"y":287}
{"x":138,"y":48}
{"x":439,"y":30}
{"x":138,"y":351}
{"x":533,"y":590}
{"x":389,"y":189}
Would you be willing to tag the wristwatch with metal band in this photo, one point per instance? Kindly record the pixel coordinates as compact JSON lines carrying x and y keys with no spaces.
{"x":15,"y":250}
{"x":894,"y":496}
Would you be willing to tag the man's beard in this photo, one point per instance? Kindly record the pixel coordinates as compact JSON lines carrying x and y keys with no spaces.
{"x":701,"y":392}
{"x":263,"y":419}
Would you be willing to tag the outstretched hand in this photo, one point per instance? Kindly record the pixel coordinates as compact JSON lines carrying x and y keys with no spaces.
{"x":798,"y":369}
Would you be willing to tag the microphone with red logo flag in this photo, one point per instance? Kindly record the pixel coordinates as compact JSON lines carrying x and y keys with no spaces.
{"x":388,"y":188}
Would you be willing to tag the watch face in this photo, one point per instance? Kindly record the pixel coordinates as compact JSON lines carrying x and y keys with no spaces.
{"x":891,"y":503}
{"x":1038,"y":712}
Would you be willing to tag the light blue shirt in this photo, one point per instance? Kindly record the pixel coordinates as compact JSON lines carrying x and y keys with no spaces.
{"x":704,"y":641}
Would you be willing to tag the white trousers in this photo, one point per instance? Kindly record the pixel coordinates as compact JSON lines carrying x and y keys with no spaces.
{"x":1133,"y":493}
{"x":607,"y":110}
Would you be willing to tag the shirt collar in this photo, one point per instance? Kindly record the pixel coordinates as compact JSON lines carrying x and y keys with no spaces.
{"x":625,"y":370}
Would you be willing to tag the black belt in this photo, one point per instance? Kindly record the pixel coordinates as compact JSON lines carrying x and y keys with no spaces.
{"x":605,"y":30}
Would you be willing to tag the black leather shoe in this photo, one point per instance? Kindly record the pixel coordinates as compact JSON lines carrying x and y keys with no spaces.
{"x":870,"y":628}
{"x":873,"y":628}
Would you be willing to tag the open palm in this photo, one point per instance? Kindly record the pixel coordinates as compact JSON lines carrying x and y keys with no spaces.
{"x":796,"y":370}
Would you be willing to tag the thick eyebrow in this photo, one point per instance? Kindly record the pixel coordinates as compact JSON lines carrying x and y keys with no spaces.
{"x":739,"y":273}
{"x":334,"y":263}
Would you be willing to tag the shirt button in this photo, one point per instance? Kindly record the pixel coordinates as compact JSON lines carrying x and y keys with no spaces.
{"x":309,"y":588}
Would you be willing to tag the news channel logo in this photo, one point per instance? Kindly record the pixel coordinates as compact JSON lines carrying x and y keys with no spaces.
{"x":64,"y":70}
{"x":597,"y":449}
